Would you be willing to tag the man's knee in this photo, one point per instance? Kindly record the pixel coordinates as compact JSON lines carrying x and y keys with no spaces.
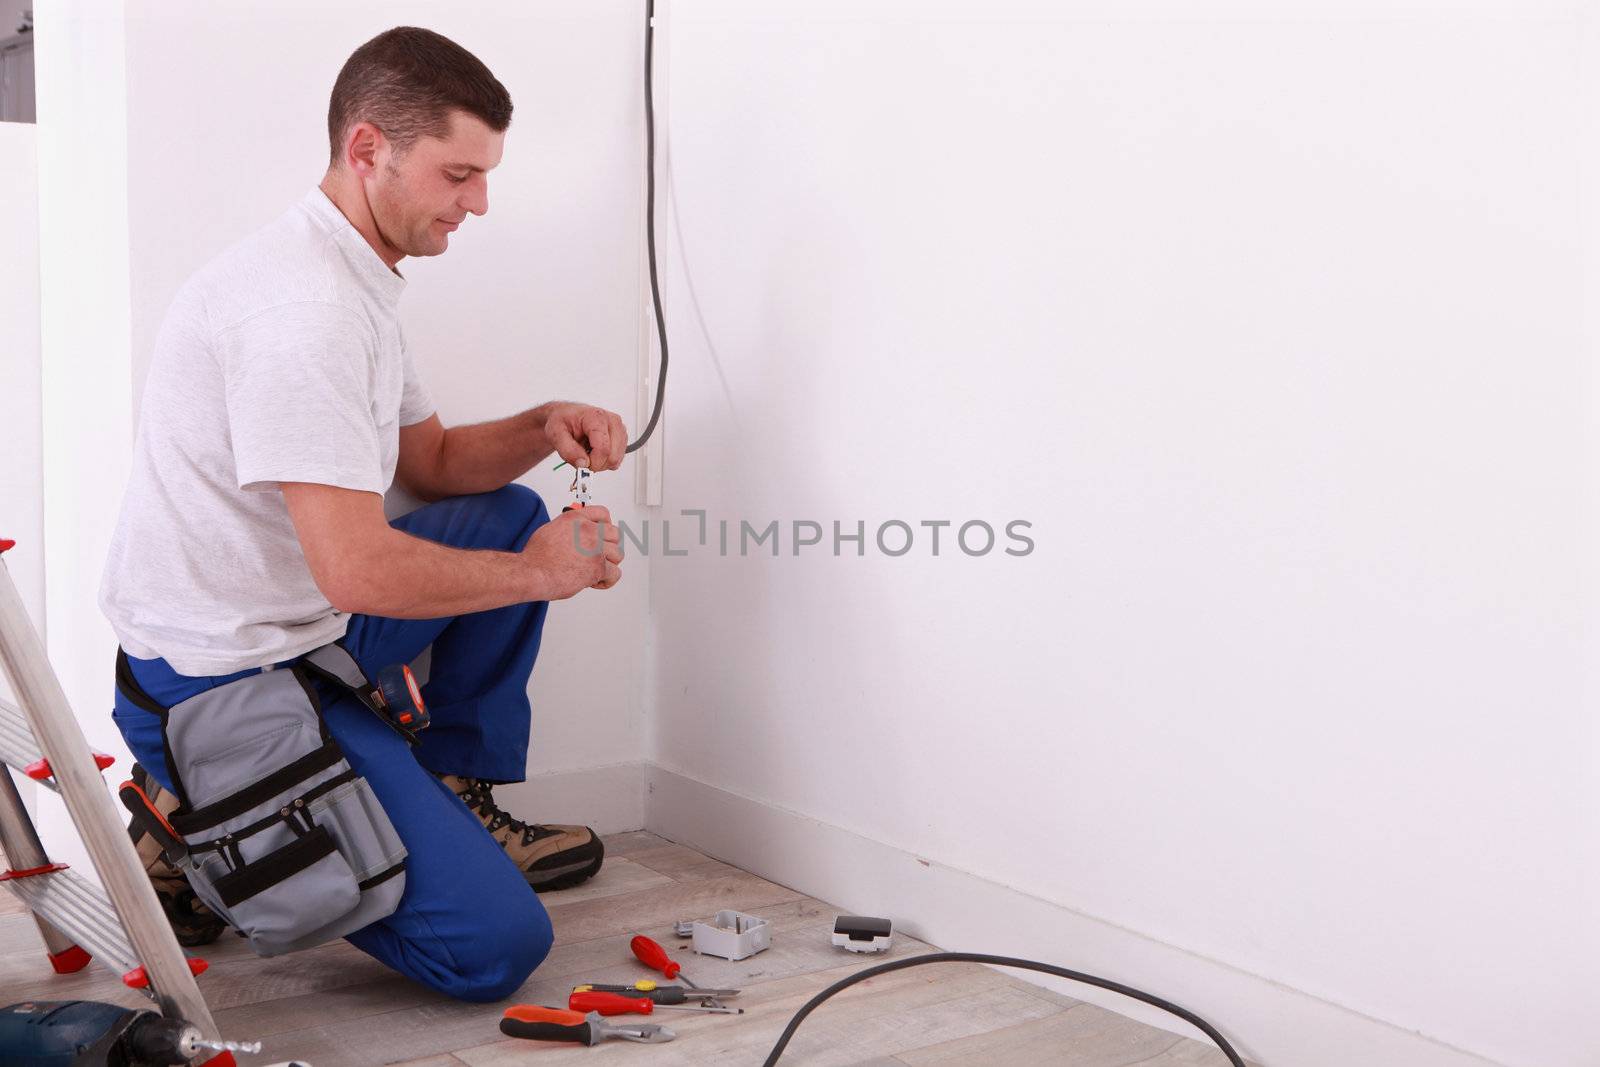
{"x":503,"y":518}
{"x":516,"y":500}
{"x":516,"y":507}
{"x":511,"y":940}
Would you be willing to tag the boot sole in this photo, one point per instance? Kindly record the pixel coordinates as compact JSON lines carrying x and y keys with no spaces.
{"x":569,"y":871}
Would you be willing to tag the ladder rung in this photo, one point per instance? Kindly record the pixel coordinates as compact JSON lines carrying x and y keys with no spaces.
{"x":17,"y":745}
{"x":138,"y":979}
{"x":81,"y":910}
{"x":41,"y":771}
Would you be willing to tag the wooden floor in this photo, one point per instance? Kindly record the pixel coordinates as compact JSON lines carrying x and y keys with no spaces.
{"x":335,"y":1007}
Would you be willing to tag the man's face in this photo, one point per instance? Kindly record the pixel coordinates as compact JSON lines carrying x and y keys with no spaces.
{"x":419,"y":196}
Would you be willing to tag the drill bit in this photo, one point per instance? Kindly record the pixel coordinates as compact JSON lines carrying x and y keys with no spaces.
{"x":196,"y":1043}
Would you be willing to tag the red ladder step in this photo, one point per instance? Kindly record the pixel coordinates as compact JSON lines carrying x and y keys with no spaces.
{"x":39,"y":770}
{"x":137,"y":979}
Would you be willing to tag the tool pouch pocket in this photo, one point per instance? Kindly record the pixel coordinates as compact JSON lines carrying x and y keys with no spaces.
{"x":273,"y":892}
{"x":286,"y":842}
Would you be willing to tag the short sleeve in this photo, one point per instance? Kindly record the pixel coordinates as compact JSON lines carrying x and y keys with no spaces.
{"x":415,"y":403}
{"x":299,"y":382}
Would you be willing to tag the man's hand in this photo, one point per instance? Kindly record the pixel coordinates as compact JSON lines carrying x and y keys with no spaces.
{"x":577,"y":550}
{"x":586,"y":436}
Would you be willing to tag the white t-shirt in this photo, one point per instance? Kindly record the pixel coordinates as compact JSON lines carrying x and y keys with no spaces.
{"x":279,"y":361}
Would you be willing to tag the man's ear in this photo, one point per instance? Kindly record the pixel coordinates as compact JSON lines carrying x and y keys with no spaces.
{"x":361,"y":148}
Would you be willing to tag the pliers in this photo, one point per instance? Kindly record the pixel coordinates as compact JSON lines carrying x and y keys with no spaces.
{"x":553,"y":1024}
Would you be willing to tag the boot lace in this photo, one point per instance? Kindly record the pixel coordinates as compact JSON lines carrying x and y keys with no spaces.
{"x":479,"y":797}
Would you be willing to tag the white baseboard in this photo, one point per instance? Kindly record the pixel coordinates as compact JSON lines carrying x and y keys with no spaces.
{"x":609,"y":799}
{"x":1268,"y":1023}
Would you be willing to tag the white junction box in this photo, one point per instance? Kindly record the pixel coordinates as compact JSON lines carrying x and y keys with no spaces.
{"x":732,"y":935}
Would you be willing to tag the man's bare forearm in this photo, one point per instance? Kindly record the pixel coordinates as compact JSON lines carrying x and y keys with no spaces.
{"x":485,"y":456}
{"x":406,"y":577}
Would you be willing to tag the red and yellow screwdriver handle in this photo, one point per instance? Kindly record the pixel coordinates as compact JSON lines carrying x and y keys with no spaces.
{"x":643,"y":985}
{"x":670,"y":994}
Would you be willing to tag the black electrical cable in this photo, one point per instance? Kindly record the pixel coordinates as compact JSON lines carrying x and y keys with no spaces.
{"x":650,"y":215}
{"x":1002,"y":961}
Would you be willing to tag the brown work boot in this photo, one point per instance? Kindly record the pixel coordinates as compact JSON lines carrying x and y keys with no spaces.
{"x":192,"y":922}
{"x":550,"y":857}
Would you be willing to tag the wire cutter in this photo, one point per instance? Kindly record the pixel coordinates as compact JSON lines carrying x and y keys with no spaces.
{"x":660,"y":994}
{"x":580,"y":489}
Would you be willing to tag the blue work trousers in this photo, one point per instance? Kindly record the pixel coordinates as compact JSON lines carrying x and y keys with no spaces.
{"x":468,"y":924}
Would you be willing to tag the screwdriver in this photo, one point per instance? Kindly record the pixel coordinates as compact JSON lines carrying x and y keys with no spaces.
{"x":552,"y":1024}
{"x":655,"y":957}
{"x":661,"y":994}
{"x":617,"y":1004}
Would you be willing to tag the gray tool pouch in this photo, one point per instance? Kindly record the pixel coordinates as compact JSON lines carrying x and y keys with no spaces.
{"x":286,"y":842}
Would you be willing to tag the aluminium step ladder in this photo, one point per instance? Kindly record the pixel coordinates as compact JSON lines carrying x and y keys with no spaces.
{"x":123,"y":923}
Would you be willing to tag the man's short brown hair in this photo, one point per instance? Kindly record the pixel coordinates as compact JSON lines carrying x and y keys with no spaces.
{"x":406,"y":81}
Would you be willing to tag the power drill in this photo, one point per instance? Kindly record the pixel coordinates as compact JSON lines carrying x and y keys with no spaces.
{"x":88,"y":1033}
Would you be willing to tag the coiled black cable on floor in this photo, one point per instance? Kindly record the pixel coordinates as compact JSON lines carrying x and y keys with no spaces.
{"x":1003,"y":961}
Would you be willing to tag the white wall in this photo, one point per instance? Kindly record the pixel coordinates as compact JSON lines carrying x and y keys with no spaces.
{"x":538,"y":300}
{"x":1269,"y":318}
{"x":21,"y":473}
{"x":85,"y":381}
